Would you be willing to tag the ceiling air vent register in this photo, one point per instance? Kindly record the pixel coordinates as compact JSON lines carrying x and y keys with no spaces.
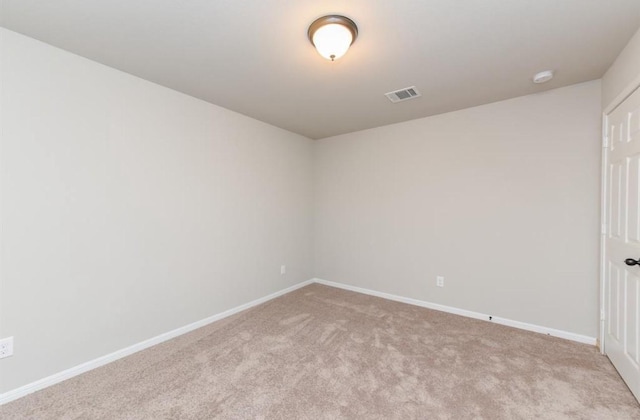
{"x":403,"y":94}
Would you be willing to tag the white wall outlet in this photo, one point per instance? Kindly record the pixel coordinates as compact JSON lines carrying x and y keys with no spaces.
{"x":283,"y":270}
{"x":6,"y":347}
{"x":440,"y":281}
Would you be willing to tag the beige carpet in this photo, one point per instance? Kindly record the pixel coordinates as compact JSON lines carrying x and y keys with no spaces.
{"x":325,"y":353}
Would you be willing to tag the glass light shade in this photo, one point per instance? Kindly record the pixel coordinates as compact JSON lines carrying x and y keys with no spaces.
{"x":332,"y":41}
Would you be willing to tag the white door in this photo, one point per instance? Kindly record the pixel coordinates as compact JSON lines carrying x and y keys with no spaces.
{"x":622,"y":241}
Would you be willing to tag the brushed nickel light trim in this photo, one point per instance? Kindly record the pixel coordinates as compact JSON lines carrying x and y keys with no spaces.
{"x":329,"y":20}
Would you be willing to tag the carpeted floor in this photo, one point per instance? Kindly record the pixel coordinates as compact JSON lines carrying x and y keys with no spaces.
{"x":326,"y":353}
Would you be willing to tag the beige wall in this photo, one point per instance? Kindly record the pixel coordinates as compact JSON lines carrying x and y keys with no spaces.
{"x":624,"y":70}
{"x":502,"y":200}
{"x":129,"y":209}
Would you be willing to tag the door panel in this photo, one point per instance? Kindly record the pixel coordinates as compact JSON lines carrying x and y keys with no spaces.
{"x":634,"y":123}
{"x":622,"y":241}
{"x":633,"y":211}
{"x":632,"y":316}
{"x":613,"y":308}
{"x":615,"y":208}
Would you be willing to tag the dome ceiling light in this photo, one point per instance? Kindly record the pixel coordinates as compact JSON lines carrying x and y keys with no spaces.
{"x":332,"y":35}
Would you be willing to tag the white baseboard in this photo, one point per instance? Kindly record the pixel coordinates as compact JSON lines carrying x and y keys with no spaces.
{"x":470,"y":314}
{"x":119,"y":354}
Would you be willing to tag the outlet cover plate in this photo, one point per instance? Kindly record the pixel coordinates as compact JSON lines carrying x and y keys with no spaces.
{"x":6,"y":347}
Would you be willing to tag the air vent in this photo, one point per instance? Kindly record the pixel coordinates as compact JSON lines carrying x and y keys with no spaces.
{"x":403,"y":94}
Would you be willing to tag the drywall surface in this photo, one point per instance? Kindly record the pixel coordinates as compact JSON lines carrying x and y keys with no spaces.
{"x":502,"y":200}
{"x":129,"y":210}
{"x":624,"y":70}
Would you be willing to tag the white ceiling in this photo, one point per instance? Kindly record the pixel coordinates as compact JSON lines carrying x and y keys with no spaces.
{"x":253,"y":56}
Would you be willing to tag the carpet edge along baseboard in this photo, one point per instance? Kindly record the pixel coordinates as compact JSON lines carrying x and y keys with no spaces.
{"x":119,"y":354}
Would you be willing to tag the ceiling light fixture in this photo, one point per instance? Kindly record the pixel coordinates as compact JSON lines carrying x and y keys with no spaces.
{"x":543,"y":76}
{"x":332,"y":35}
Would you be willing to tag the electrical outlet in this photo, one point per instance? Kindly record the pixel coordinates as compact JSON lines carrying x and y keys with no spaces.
{"x":283,"y":270}
{"x":6,"y":347}
{"x":440,"y":281}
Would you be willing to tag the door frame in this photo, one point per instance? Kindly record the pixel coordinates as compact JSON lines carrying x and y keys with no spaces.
{"x":626,"y":92}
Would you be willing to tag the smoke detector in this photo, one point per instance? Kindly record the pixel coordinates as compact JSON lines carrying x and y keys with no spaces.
{"x":403,"y":94}
{"x":543,"y":76}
